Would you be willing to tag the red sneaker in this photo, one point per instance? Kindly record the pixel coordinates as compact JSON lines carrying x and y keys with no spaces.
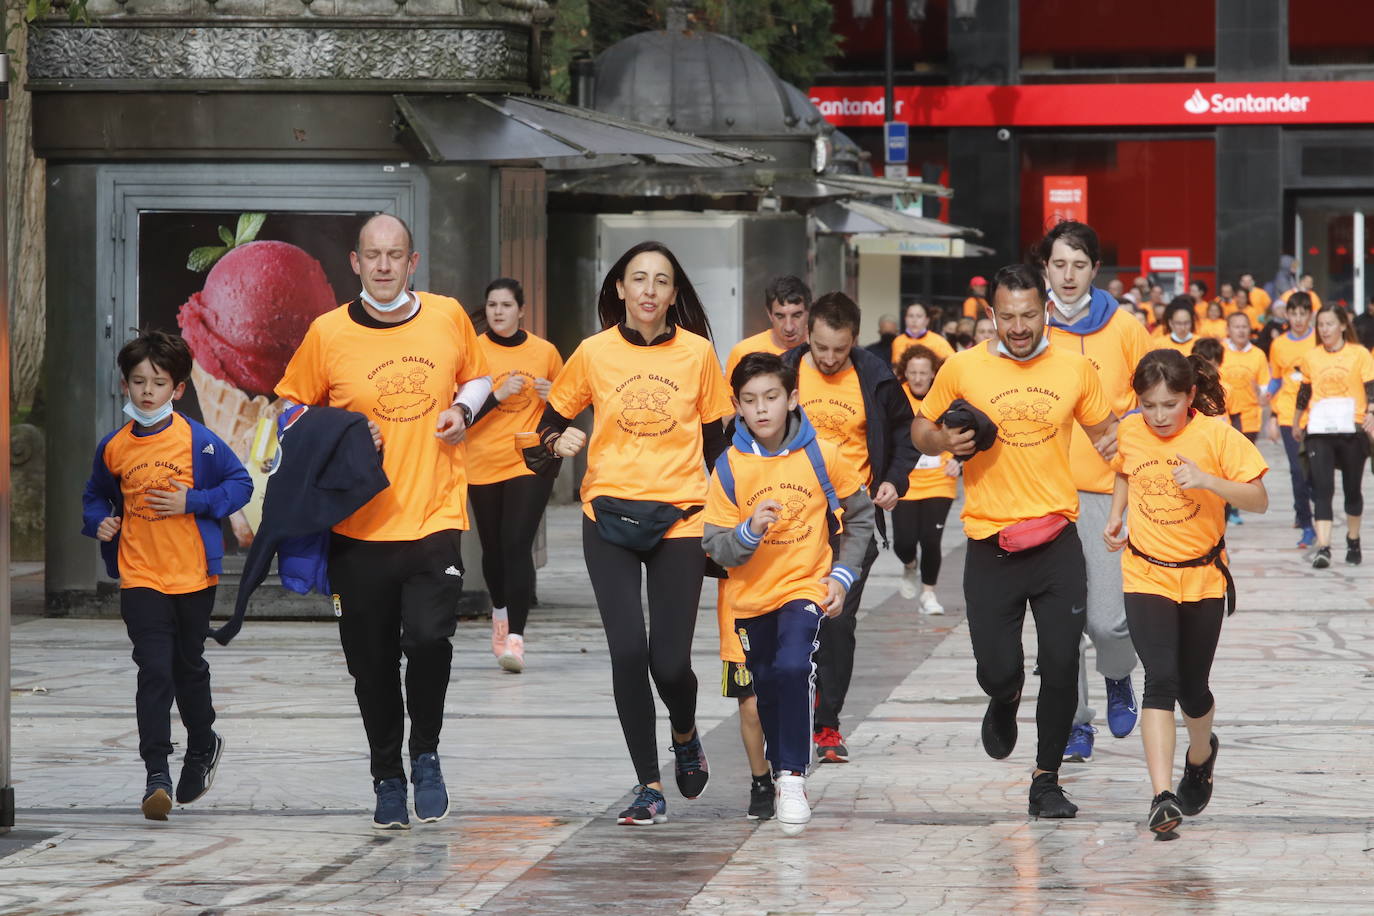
{"x":830,"y":746}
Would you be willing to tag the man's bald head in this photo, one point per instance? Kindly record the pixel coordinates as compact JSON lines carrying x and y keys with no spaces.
{"x":381,"y":230}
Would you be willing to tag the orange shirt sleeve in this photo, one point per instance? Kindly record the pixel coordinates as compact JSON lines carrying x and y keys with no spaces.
{"x":942,"y":392}
{"x":713,"y":401}
{"x":844,"y":477}
{"x":720,"y":509}
{"x":305,"y":380}
{"x":1240,"y":460}
{"x":571,"y":391}
{"x":472,"y":362}
{"x":1365,"y":364}
{"x":1092,"y":407}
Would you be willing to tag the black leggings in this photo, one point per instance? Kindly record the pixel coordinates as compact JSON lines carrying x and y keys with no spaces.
{"x":1176,"y":643}
{"x":507,"y":516}
{"x":1326,"y":454}
{"x":1053,"y":579}
{"x":920,"y":522}
{"x":674,"y":567}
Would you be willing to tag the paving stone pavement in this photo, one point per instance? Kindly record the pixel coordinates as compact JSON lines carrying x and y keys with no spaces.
{"x":921,"y":820}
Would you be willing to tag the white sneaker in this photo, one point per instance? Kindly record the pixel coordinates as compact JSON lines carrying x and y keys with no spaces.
{"x":908,"y":586}
{"x":500,"y":629}
{"x":513,"y":658}
{"x":793,"y":810}
{"x":931,"y":605}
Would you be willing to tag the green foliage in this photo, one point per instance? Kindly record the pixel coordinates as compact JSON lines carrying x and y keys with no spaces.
{"x":793,"y":36}
{"x":29,"y":10}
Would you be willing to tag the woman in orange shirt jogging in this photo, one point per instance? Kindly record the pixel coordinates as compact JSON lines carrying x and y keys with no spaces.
{"x":508,"y":498}
{"x":919,"y":518}
{"x":658,"y":396}
{"x":1178,"y":464}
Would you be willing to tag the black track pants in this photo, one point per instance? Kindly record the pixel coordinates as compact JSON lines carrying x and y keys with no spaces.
{"x":507,"y":516}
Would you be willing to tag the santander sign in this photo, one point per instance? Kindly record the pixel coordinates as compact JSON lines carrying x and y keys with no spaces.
{"x":1103,"y":104}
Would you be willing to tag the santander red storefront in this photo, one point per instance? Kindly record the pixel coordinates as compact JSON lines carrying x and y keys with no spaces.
{"x":1141,"y":107}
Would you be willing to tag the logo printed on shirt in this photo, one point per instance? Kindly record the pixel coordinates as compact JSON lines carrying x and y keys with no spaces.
{"x":644,"y":406}
{"x":790,"y":528}
{"x":1158,"y":495}
{"x":142,"y":479}
{"x":519,"y":401}
{"x":1330,"y":382}
{"x":401,"y":385}
{"x":1023,"y":417}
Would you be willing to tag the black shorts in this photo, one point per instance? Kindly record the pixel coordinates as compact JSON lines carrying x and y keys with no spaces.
{"x":736,"y":681}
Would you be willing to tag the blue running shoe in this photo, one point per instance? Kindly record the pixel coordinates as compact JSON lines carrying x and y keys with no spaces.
{"x":391,"y":811}
{"x":692,"y":771}
{"x":1122,"y":712}
{"x":431,"y":795}
{"x":649,"y":807}
{"x":1233,"y":516}
{"x":1080,"y":746}
{"x":1308,"y":538}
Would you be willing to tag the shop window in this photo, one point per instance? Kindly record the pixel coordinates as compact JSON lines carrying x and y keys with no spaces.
{"x":1331,"y":33}
{"x":1073,"y":35}
{"x":1141,"y":194}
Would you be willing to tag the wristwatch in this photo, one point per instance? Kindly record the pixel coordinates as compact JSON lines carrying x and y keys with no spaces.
{"x":467,"y":413}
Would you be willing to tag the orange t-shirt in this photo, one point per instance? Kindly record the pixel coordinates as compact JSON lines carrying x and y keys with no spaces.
{"x":928,"y":479}
{"x":400,"y":378}
{"x":761,"y":342}
{"x":1316,"y":300}
{"x":163,"y":553}
{"x":835,"y":406}
{"x":1259,"y":300}
{"x":1025,"y":474}
{"x":1172,"y":524}
{"x":1114,"y":351}
{"x":650,"y":404}
{"x":491,"y":452}
{"x":1212,"y":327}
{"x":975,"y":307}
{"x":1284,"y":354}
{"x":1337,"y":375}
{"x":1243,"y":374}
{"x":794,"y":556}
{"x":1166,"y":342}
{"x":937,"y":345}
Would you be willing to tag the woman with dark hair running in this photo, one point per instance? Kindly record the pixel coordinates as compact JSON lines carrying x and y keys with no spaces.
{"x":919,"y":517}
{"x":1177,"y":468}
{"x":508,"y":498}
{"x":658,"y":395}
{"x":1334,"y":417}
{"x":1180,"y":325}
{"x":916,"y":330}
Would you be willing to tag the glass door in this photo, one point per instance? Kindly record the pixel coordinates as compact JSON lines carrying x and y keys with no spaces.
{"x":1332,"y":240}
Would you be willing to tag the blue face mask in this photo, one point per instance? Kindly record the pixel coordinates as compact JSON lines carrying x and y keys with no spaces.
{"x":385,"y":307}
{"x":143,"y":418}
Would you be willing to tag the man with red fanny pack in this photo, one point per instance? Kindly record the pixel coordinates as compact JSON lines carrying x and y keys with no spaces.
{"x":1020,"y":507}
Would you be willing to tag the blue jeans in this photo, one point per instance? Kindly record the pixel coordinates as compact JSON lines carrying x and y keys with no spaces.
{"x":1302,"y":492}
{"x":778,"y":646}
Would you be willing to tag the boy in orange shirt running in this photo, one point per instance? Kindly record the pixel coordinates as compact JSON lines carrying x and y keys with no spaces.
{"x":158,"y":489}
{"x":773,"y":499}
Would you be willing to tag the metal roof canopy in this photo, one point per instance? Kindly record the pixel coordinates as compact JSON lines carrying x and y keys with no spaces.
{"x":647,"y":181}
{"x":854,"y":217}
{"x":474,"y":127}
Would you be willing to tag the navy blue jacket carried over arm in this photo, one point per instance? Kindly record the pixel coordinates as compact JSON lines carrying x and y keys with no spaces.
{"x":220,"y":487}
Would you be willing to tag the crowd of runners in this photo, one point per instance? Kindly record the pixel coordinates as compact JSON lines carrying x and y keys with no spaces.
{"x":1104,"y":442}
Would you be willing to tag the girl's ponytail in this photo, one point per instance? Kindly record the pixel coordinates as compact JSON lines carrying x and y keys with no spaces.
{"x":1210,"y":398}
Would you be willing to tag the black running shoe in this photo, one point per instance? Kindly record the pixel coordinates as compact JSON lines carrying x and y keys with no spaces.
{"x":1353,"y":556}
{"x":1195,"y":788}
{"x":198,"y":771}
{"x":762,"y":798}
{"x":1322,"y":558}
{"x":1165,"y":816}
{"x":648,"y":808}
{"x":1047,"y":798}
{"x":999,"y":728}
{"x":692,"y":771}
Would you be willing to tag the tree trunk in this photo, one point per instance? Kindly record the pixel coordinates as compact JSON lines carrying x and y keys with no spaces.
{"x":24,"y":214}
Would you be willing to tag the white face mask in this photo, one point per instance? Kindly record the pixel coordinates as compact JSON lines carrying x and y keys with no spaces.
{"x":1070,"y":309}
{"x":386,"y":307}
{"x":142,"y":418}
{"x":1039,"y":348}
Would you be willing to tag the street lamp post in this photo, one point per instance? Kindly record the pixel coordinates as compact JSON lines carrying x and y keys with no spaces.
{"x":6,"y":790}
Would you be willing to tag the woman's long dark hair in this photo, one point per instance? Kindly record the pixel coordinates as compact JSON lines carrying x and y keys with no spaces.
{"x":1347,"y":326}
{"x":686,"y":311}
{"x":1180,"y":373}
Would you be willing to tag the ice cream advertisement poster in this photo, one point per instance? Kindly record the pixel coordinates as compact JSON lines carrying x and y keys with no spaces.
{"x":242,"y":288}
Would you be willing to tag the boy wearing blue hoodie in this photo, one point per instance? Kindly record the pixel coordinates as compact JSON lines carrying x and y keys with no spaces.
{"x":772,"y":513}
{"x":158,"y":489}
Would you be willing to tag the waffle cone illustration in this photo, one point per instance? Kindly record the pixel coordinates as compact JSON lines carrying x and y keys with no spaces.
{"x":228,"y":411}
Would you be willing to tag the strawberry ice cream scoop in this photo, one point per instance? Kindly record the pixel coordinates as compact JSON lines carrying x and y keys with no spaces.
{"x":257,"y":302}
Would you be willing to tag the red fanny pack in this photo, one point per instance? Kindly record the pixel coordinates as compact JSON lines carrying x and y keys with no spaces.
{"x":1031,"y":533}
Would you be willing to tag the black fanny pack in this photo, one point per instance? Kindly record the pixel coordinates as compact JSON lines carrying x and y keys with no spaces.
{"x":636,"y":524}
{"x":1212,"y":557}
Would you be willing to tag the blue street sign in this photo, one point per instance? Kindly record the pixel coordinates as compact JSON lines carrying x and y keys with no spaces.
{"x":895,"y":139}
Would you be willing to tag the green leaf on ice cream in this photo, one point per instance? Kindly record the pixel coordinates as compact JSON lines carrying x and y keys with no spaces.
{"x":249,"y":224}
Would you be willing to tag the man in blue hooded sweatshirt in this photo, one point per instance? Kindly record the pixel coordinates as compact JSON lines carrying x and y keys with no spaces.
{"x":1087,"y":320}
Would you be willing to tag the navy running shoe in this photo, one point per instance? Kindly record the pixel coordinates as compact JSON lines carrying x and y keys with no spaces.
{"x":692,"y":771}
{"x":1080,"y":746}
{"x":198,"y":770}
{"x":649,"y":807}
{"x":1122,"y":711}
{"x":391,"y":811}
{"x":431,"y":795}
{"x":157,"y":797}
